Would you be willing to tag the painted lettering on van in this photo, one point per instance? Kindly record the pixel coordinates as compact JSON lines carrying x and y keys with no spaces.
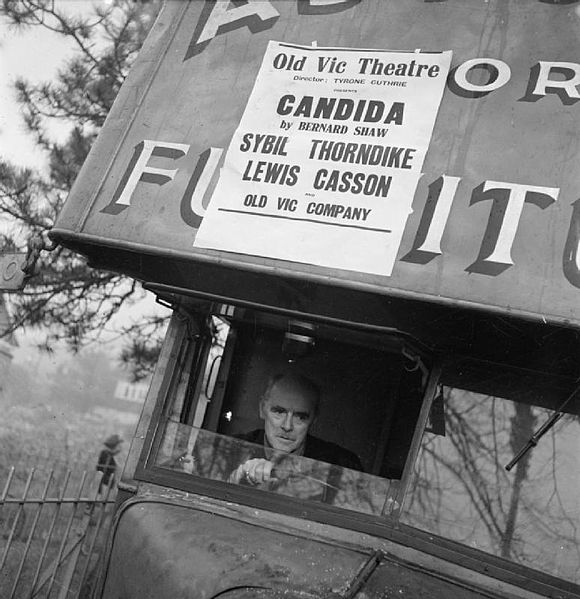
{"x":257,"y":15}
{"x":222,"y":16}
{"x":507,"y":200}
{"x":546,"y":77}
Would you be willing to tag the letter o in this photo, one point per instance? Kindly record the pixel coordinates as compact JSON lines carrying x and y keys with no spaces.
{"x":503,"y":74}
{"x":280,"y":61}
{"x":10,"y":270}
{"x":370,"y":185}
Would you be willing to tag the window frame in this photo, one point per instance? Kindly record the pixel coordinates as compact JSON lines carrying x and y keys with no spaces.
{"x":198,"y":344}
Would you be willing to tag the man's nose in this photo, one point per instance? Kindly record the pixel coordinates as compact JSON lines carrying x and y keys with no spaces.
{"x":288,"y":422}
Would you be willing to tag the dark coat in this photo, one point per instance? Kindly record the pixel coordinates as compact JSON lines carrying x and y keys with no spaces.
{"x":107,"y":465}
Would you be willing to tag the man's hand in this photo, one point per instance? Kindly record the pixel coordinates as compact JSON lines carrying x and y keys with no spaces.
{"x":253,"y":472}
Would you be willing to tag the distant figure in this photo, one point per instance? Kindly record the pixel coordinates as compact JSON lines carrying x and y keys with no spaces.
{"x":106,"y":462}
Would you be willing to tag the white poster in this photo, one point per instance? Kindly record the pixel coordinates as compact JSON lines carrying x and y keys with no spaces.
{"x":325,"y":162}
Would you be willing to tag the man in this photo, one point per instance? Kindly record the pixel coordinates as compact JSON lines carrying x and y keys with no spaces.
{"x":106,"y":462}
{"x":108,"y":466}
{"x":288,"y":408}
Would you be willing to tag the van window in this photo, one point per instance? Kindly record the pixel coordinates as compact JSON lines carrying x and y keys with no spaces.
{"x":462,"y":490}
{"x":369,"y":387}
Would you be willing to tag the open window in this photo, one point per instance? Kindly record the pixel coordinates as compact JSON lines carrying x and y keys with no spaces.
{"x":372,"y":385}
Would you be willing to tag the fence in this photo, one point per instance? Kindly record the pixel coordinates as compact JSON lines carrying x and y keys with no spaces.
{"x":53,"y":526}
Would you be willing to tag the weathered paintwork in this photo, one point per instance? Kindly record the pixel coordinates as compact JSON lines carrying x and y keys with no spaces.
{"x":495,"y":217}
{"x":170,"y":550}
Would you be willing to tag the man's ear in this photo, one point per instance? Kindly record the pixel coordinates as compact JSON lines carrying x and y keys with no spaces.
{"x":262,"y":409}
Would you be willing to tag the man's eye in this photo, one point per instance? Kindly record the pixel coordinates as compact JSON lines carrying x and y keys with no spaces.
{"x":276,"y":410}
{"x":302,"y":417}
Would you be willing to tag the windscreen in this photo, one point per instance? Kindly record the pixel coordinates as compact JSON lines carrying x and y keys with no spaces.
{"x":288,"y":409}
{"x":220,"y":457}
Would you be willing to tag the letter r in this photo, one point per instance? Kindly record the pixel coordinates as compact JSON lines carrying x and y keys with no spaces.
{"x":568,"y":86}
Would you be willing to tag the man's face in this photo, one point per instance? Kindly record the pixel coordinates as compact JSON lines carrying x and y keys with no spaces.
{"x":288,"y":413}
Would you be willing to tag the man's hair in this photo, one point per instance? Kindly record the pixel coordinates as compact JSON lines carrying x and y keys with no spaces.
{"x":297,"y":381}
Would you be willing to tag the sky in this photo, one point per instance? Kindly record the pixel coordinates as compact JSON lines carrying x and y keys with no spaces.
{"x":35,"y":54}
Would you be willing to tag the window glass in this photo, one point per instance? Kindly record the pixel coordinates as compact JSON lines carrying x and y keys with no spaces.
{"x":219,"y":330}
{"x":462,"y":491}
{"x":203,"y":453}
{"x":332,"y":412}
